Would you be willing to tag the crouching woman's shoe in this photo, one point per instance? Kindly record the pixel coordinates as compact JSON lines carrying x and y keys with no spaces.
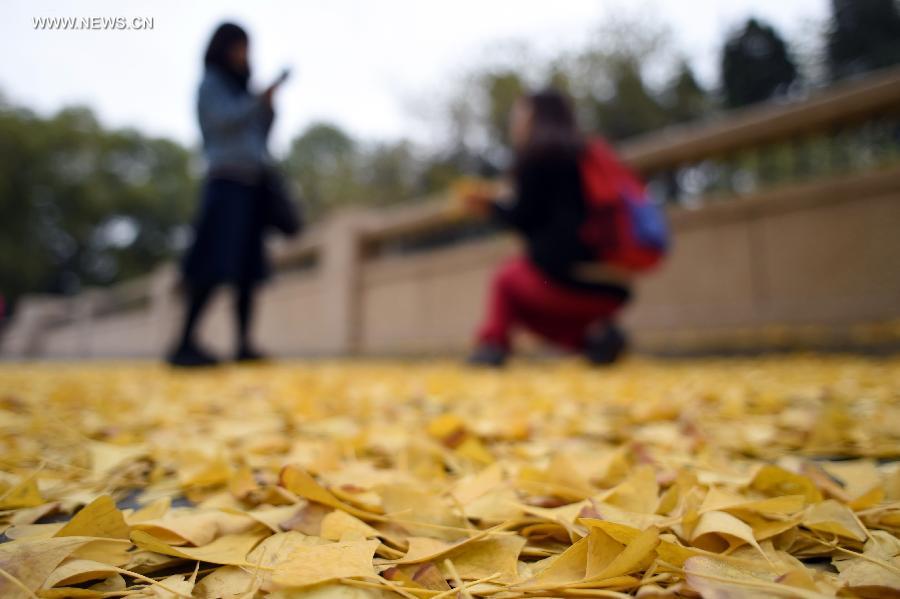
{"x":489,"y":355}
{"x":605,"y":345}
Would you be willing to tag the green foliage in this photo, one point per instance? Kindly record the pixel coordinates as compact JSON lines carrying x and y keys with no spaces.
{"x":610,"y":79}
{"x":864,"y":35}
{"x":331,"y":169}
{"x":503,"y":88}
{"x":390,"y":173}
{"x":322,"y":161}
{"x":632,"y":108}
{"x":83,"y":205}
{"x":684,"y":98}
{"x":756,"y":65}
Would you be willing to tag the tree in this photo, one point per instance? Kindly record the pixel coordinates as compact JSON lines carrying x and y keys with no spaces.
{"x":82,"y":205}
{"x":756,"y":65}
{"x":503,"y":88}
{"x":864,"y":35}
{"x":684,"y":99}
{"x":334,"y":170}
{"x":631,"y":109}
{"x":322,"y":161}
{"x":610,"y":76}
{"x":389,"y":173}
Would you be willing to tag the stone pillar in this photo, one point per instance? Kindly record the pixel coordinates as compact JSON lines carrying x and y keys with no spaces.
{"x":23,"y":337}
{"x":84,"y":307}
{"x":164,"y":311}
{"x":340,"y":271}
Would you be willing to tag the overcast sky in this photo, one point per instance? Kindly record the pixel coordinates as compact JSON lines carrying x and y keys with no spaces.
{"x":368,"y":65}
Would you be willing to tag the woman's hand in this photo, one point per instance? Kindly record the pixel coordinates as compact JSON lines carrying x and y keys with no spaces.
{"x":475,"y":196}
{"x":478,"y":203}
{"x":269,"y":92}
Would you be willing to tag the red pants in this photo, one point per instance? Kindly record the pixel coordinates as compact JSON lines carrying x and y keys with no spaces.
{"x":522,"y":295}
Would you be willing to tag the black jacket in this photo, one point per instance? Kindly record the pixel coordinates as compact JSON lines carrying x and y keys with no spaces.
{"x":549,"y":209}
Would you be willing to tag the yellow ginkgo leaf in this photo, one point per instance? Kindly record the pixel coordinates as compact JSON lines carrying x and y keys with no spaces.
{"x":100,"y":518}
{"x":270,"y":517}
{"x":493,"y":507}
{"x":765,"y":528}
{"x":566,"y":515}
{"x":567,"y":568}
{"x":34,"y":531}
{"x":153,"y":510}
{"x":636,"y":556}
{"x":621,"y":525}
{"x":332,"y":591}
{"x":717,"y":578}
{"x":23,"y":494}
{"x":226,"y":550}
{"x":832,"y":517}
{"x":722,"y":500}
{"x":75,"y":571}
{"x":856,"y":477}
{"x":227,"y":582}
{"x":445,"y":425}
{"x":337,"y":524}
{"x":719,"y":531}
{"x":637,"y":493}
{"x":498,"y":554}
{"x":425,"y":576}
{"x":471,"y":487}
{"x":877,"y":570}
{"x":200,"y":470}
{"x":775,"y":481}
{"x":176,"y":586}
{"x":107,"y":456}
{"x":242,"y":483}
{"x":672,"y":552}
{"x":298,"y":481}
{"x":27,"y":564}
{"x":421,"y":549}
{"x":473,"y":449}
{"x":423,"y":513}
{"x":561,"y":478}
{"x":277,"y":548}
{"x":197,"y":527}
{"x":321,"y":563}
{"x":602,"y":551}
{"x":621,"y":533}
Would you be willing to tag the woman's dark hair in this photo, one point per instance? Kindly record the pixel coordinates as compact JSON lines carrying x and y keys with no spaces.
{"x":218,"y":51}
{"x":554,"y":130}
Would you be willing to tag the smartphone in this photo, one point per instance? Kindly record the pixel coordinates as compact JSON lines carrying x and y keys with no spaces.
{"x":283,"y":76}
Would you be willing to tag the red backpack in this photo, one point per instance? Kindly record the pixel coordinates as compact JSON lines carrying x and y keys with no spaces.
{"x":624,"y":227}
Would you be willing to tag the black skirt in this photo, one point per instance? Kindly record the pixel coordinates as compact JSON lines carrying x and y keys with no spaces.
{"x":228,"y":245}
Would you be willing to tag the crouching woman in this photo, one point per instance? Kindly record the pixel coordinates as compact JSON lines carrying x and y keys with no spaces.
{"x":561,"y":289}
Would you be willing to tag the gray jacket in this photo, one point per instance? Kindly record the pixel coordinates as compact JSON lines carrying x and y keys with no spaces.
{"x":235,"y":128}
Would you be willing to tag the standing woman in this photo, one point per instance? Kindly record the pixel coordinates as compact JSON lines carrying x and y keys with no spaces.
{"x":557,"y":289}
{"x":228,"y":243}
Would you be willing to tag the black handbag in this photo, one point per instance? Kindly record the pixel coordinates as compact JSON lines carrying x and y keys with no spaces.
{"x":282,"y":212}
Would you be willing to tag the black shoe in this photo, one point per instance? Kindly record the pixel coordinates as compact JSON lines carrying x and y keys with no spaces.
{"x":189,"y":355}
{"x":487,"y":354}
{"x":605,"y":346}
{"x":248,"y":354}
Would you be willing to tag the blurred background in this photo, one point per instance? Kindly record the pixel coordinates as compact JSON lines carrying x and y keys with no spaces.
{"x":719,"y":106}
